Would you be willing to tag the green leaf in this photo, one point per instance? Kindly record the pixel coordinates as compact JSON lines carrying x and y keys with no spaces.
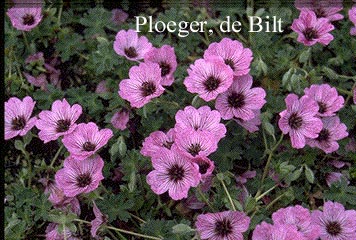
{"x":309,"y":174}
{"x":182,"y":229}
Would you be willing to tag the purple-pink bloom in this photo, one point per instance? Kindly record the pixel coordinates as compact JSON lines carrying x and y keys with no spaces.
{"x":206,"y":166}
{"x":144,"y":84}
{"x":78,"y":177}
{"x":130,"y":45}
{"x":333,"y":177}
{"x":233,"y":53}
{"x":227,"y":225}
{"x":335,"y":222}
{"x":327,"y":98}
{"x":201,"y":119}
{"x":53,"y":234}
{"x":194,"y":143}
{"x":97,"y":222}
{"x":299,"y":217}
{"x":156,"y":141}
{"x":39,"y":81}
{"x":101,"y":87}
{"x":322,"y":8}
{"x":118,"y":16}
{"x":17,"y":117}
{"x":59,"y":121}
{"x":312,"y":30}
{"x":299,"y":120}
{"x":120,"y":119}
{"x":173,"y":173}
{"x":208,"y":78}
{"x":86,"y":140}
{"x":167,"y":60}
{"x":25,"y":18}
{"x":240,"y":100}
{"x":331,"y":132}
{"x":250,"y":125}
{"x":37,"y":57}
{"x":352,"y":17}
{"x":265,"y":231}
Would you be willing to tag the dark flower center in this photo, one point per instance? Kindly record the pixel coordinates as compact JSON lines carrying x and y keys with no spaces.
{"x":295,"y":121}
{"x":230,"y":63}
{"x":148,"y":88}
{"x":203,"y":167}
{"x":211,"y":83}
{"x":194,"y":149}
{"x":223,"y":228}
{"x":88,"y":146}
{"x":131,"y":52}
{"x":18,"y":123}
{"x":63,"y":125}
{"x":165,"y":68}
{"x":323,"y":135}
{"x":322,"y":107}
{"x":320,"y":12}
{"x":83,"y":180}
{"x":28,"y":19}
{"x":176,"y":173}
{"x":333,"y":228}
{"x":167,"y":144}
{"x":310,"y":34}
{"x":236,"y":100}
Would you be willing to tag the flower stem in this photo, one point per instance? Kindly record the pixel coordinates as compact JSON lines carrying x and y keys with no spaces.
{"x":25,"y":40}
{"x":138,"y":218}
{"x":228,"y":194}
{"x":56,"y":156}
{"x":266,"y":169}
{"x":123,"y":231}
{"x":201,"y":194}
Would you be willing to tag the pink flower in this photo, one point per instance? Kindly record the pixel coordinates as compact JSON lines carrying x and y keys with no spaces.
{"x":143,"y":85}
{"x":78,"y":177}
{"x":335,"y":223}
{"x":37,"y":57}
{"x":173,"y":173}
{"x":312,"y":30}
{"x":86,"y":140}
{"x":130,"y":45}
{"x":201,"y":119}
{"x":206,"y":166}
{"x":194,"y":143}
{"x":166,"y":58}
{"x":39,"y":81}
{"x":331,"y":132}
{"x":156,"y":141}
{"x":53,"y":234}
{"x":53,"y":75}
{"x":17,"y":117}
{"x":240,"y":100}
{"x":333,"y":177}
{"x":327,"y":98}
{"x":25,"y":18}
{"x":208,"y":78}
{"x":120,"y":119}
{"x":322,"y":8}
{"x":265,"y":231}
{"x":101,"y":87}
{"x":233,"y":53}
{"x":299,"y":217}
{"x":228,"y":225}
{"x":118,"y":16}
{"x":59,"y":121}
{"x":97,"y":222}
{"x":352,"y":16}
{"x":299,"y":120}
{"x":250,"y":125}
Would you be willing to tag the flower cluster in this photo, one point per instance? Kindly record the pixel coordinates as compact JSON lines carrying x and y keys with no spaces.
{"x":180,"y":156}
{"x":298,"y":223}
{"x":145,"y":81}
{"x":311,"y":119}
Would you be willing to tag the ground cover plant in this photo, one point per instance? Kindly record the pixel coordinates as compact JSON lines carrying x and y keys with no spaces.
{"x":112,"y":133}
